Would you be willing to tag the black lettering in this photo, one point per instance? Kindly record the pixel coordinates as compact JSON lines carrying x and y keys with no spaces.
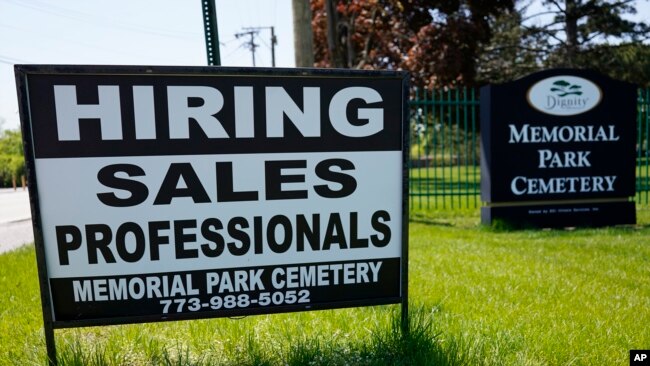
{"x":311,"y":233}
{"x":181,"y":237}
{"x":235,"y":226}
{"x":64,"y":245}
{"x":284,"y":245}
{"x":107,"y":177}
{"x":120,"y":242}
{"x":355,"y":241}
{"x":225,"y":186}
{"x":99,"y":243}
{"x":169,"y":187}
{"x":334,"y":234}
{"x":155,"y":239}
{"x":274,"y":179}
{"x":380,"y":227}
{"x":209,"y":230}
{"x":258,"y":229}
{"x":347,"y":182}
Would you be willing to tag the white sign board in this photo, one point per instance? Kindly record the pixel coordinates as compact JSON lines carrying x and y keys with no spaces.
{"x":175,"y":193}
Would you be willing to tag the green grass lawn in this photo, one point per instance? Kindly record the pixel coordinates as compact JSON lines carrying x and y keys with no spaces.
{"x":478,"y":296}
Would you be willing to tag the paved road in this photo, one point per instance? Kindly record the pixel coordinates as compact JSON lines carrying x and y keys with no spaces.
{"x":15,"y":219}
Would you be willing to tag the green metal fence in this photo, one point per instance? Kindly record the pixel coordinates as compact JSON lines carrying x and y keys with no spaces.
{"x":445,"y":152}
{"x":642,"y":148}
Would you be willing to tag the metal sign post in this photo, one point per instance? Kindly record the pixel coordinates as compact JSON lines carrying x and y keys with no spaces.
{"x":211,"y":32}
{"x":46,"y":300}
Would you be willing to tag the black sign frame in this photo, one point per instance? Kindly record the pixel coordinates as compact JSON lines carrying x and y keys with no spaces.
{"x":25,"y":72}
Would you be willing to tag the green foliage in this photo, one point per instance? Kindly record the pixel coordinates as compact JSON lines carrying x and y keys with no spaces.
{"x":11,"y":142}
{"x":579,"y":25}
{"x":512,"y":51}
{"x":628,"y":62}
{"x":567,"y":33}
{"x":12,"y":162}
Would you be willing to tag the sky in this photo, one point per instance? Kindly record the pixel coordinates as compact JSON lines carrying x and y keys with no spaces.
{"x":132,"y":32}
{"x":139,"y":32}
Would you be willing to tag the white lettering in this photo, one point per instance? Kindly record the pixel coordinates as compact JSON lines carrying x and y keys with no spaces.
{"x":566,"y":134}
{"x":82,"y":290}
{"x":244,"y":113}
{"x":292,"y":277}
{"x":180,"y":112}
{"x":144,"y":112}
{"x":212,"y":280}
{"x":518,"y":136}
{"x":374,"y":268}
{"x":100,"y":291}
{"x":533,"y":186}
{"x":513,"y":186}
{"x":374,"y":116}
{"x":610,"y":182}
{"x":279,"y":104}
{"x":69,"y":112}
{"x":277,"y":283}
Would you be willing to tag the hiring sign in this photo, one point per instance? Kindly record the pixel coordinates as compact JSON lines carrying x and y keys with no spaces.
{"x":558,"y":149}
{"x":175,"y":193}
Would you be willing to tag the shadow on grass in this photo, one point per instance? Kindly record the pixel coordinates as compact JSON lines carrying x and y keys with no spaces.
{"x":421,"y":345}
{"x":430,"y":222}
{"x":418,"y":218}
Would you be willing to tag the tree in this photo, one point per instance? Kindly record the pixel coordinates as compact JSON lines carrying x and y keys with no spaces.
{"x":436,"y":40}
{"x":629,"y":61}
{"x":511,"y":53}
{"x":600,"y":39}
{"x":11,"y":142}
{"x":12,"y":162}
{"x":576,"y":26}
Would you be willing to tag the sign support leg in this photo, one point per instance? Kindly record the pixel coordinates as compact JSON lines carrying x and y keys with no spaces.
{"x":405,"y":208}
{"x":405,"y":317}
{"x":50,"y":344}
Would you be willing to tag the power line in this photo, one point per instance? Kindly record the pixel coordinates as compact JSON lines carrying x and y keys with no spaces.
{"x":70,"y":41}
{"x":101,"y":21}
{"x":251,"y":45}
{"x":234,"y":51}
{"x":252,"y":32}
{"x":11,"y":60}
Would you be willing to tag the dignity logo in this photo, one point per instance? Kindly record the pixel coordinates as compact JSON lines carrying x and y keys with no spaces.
{"x":564,"y":95}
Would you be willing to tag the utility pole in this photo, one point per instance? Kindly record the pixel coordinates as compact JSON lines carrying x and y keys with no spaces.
{"x":251,"y":44}
{"x":274,"y":41}
{"x":302,"y":33}
{"x":254,"y":31}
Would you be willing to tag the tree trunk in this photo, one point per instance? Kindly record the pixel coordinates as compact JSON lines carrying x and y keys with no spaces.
{"x":302,"y":33}
{"x":571,"y":29}
{"x":336,"y":59}
{"x":349,"y":31}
